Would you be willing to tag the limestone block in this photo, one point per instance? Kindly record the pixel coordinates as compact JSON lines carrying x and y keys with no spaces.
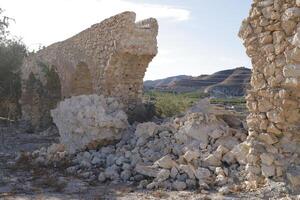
{"x":267,"y":12}
{"x":288,"y":26}
{"x":212,"y":160}
{"x":264,"y":105}
{"x":273,"y":129}
{"x":293,"y":176}
{"x":146,"y":130}
{"x":269,"y":138}
{"x":278,"y":37}
{"x":166,"y":162}
{"x":291,"y":13}
{"x":265,"y":3}
{"x":267,"y":159}
{"x":292,"y":70}
{"x":147,"y":170}
{"x":87,"y":121}
{"x":202,"y":173}
{"x":240,"y":153}
{"x":295,"y":54}
{"x":275,"y":116}
{"x":191,"y":155}
{"x":245,"y":30}
{"x":268,"y":170}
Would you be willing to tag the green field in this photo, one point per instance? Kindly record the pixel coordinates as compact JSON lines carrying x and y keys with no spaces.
{"x":171,"y":104}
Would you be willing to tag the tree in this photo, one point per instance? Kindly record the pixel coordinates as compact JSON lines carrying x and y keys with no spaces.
{"x":12,"y":53}
{"x":4,"y":23}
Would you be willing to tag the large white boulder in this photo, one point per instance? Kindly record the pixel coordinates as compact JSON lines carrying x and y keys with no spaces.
{"x":88,"y":121}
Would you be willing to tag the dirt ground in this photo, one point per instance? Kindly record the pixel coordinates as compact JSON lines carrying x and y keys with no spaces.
{"x":25,"y":181}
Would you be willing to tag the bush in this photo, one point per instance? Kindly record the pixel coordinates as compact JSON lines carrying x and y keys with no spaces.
{"x":12,"y":53}
{"x":172,"y":104}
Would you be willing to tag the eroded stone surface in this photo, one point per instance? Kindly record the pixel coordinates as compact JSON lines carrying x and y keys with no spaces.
{"x":271,"y":37}
{"x":88,"y":121}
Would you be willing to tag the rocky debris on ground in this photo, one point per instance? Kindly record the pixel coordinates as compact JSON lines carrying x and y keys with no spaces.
{"x":89,"y":121}
{"x":198,"y":150}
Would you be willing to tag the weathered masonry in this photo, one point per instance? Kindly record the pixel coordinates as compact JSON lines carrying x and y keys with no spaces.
{"x":271,"y":36}
{"x":109,"y":58}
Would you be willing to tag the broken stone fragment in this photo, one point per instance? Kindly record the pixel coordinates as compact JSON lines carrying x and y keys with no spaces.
{"x":293,"y":175}
{"x":146,"y":130}
{"x":291,"y":13}
{"x":188,"y":169}
{"x":212,"y":160}
{"x":267,"y":12}
{"x":296,"y":40}
{"x":191,"y":155}
{"x":269,"y":138}
{"x":267,"y":159}
{"x":292,"y":70}
{"x":147,"y":170}
{"x":240,"y":152}
{"x":275,"y":116}
{"x":273,"y":129}
{"x":220,"y":152}
{"x":229,"y":158}
{"x":166,"y":162}
{"x":179,"y":185}
{"x":163,"y":175}
{"x":295,"y":54}
{"x":245,"y":30}
{"x":253,"y":169}
{"x":88,"y":121}
{"x":268,"y":170}
{"x":202,"y":173}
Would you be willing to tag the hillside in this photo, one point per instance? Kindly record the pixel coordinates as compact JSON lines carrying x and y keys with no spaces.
{"x":232,"y":82}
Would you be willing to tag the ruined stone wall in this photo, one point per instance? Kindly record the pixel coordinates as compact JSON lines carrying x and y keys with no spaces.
{"x":109,"y":58}
{"x":271,"y":36}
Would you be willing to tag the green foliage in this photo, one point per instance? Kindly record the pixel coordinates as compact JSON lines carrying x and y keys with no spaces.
{"x":4,"y":22}
{"x":228,"y":101}
{"x":171,"y":104}
{"x":236,"y":103}
{"x":11,"y":58}
{"x":12,"y":53}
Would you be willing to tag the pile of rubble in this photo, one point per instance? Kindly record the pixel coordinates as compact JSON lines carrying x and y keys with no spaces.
{"x":197,"y":151}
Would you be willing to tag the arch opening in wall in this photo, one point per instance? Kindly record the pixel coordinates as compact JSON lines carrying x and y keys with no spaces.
{"x":123,"y":78}
{"x":81,"y":82}
{"x":38,"y":98}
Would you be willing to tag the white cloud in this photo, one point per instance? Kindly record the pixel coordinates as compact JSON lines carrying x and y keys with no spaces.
{"x":45,"y":22}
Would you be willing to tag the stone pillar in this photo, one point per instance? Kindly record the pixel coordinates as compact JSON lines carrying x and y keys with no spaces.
{"x":271,"y":35}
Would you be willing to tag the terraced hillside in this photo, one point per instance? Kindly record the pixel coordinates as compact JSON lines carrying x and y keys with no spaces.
{"x":232,"y":82}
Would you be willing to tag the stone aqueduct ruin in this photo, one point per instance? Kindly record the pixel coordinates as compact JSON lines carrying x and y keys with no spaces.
{"x":110,"y":59}
{"x":271,"y":36}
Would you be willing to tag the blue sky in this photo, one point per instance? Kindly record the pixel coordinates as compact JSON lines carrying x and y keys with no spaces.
{"x":195,"y":36}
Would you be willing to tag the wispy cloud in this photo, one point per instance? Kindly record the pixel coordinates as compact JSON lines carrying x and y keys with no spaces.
{"x":45,"y":22}
{"x":145,"y":10}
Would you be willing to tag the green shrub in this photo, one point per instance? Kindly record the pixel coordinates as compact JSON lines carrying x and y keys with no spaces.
{"x":12,"y":52}
{"x":172,"y":104}
{"x":228,"y":101}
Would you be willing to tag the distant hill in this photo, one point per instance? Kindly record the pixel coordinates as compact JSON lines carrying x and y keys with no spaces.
{"x":232,"y":82}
